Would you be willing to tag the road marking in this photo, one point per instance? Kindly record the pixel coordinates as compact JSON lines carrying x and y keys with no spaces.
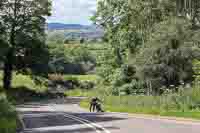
{"x":68,"y":116}
{"x":87,"y":124}
{"x":98,"y":128}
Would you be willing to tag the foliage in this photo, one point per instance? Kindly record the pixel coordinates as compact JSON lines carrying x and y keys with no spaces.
{"x":167,"y":57}
{"x":78,"y":54}
{"x":157,"y":38}
{"x":22,"y":26}
{"x":128,"y":23}
{"x":8,"y":117}
{"x":66,"y":59}
{"x":57,"y":58}
{"x":55,"y":37}
{"x":196,"y":68}
{"x":82,"y":40}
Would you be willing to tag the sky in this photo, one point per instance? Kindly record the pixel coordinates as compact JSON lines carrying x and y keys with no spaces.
{"x":72,"y":11}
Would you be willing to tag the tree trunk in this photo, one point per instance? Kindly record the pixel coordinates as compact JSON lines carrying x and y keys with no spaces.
{"x":8,"y":67}
{"x":8,"y":64}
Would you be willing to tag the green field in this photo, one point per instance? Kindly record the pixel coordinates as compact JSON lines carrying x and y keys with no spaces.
{"x":20,"y":80}
{"x":92,"y":78}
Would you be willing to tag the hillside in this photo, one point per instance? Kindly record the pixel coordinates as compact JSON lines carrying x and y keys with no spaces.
{"x":76,"y":30}
{"x":61,"y":26}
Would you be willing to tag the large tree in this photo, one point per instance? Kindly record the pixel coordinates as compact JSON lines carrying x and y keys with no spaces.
{"x":166,"y":59}
{"x":146,"y":30}
{"x":128,"y":23}
{"x":22,"y":31}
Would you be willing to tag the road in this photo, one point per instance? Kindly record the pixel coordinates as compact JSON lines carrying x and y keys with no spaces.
{"x":67,"y":117}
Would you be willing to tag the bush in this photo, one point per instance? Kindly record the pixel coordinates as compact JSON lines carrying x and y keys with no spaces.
{"x":87,"y":85}
{"x":8,"y":116}
{"x":70,"y":78}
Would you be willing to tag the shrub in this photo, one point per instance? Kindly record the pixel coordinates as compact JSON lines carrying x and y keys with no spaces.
{"x":87,"y":85}
{"x":7,"y":116}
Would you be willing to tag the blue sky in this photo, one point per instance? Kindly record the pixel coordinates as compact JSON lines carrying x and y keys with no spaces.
{"x":72,"y":11}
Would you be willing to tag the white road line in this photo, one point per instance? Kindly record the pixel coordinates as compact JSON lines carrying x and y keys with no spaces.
{"x":90,"y":124}
{"x":71,"y":117}
{"x":97,"y":126}
{"x":87,"y":124}
{"x":76,"y":119}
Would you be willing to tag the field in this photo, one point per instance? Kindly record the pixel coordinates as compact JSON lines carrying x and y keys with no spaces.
{"x":20,"y":80}
{"x":92,"y":78}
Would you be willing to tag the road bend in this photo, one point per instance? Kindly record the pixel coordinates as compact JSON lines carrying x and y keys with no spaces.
{"x":65,"y":116}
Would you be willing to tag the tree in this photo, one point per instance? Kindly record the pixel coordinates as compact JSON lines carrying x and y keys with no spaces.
{"x":57,"y":37}
{"x":128,"y":24}
{"x":189,"y":9}
{"x":66,"y":41}
{"x":167,"y":57}
{"x":82,"y":40}
{"x":57,"y":58}
{"x":140,"y":31}
{"x":22,"y":26}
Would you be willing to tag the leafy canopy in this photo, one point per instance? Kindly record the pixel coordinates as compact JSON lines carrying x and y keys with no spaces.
{"x":22,"y":29}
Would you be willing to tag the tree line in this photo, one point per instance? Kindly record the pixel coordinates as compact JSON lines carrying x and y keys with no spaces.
{"x":153,"y":44}
{"x":22,"y":37}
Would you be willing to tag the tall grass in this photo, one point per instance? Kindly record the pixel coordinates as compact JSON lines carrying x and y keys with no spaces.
{"x":185,"y":103}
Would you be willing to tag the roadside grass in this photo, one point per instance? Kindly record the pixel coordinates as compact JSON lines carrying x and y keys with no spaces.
{"x":103,"y":92}
{"x":80,"y":93}
{"x":153,"y":111}
{"x":81,"y":78}
{"x":24,"y":81}
{"x":184,"y":104}
{"x":77,"y":93}
{"x":24,"y":89}
{"x":91,"y":78}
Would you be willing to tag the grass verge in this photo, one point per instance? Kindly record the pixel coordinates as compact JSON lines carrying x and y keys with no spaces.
{"x":82,"y":78}
{"x":185,"y":104}
{"x":153,"y":111}
{"x":80,"y":93}
{"x":20,"y":80}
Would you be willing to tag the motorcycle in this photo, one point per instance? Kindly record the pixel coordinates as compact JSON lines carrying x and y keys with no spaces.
{"x":99,"y":107}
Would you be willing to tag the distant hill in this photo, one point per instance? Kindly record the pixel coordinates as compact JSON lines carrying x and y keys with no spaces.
{"x":60,"y":26}
{"x":76,"y":30}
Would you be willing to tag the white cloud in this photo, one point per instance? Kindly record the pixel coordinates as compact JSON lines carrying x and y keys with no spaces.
{"x":72,"y":11}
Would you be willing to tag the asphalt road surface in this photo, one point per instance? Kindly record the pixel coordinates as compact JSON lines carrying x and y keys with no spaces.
{"x":65,"y":116}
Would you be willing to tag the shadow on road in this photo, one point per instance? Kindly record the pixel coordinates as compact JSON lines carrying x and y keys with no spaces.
{"x":57,"y":118}
{"x":38,"y":119}
{"x":80,"y":130}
